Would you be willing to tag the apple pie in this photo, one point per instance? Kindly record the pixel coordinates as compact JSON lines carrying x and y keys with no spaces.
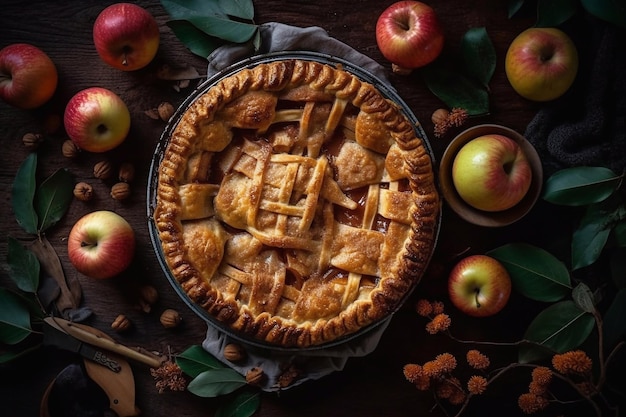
{"x":295,"y":203}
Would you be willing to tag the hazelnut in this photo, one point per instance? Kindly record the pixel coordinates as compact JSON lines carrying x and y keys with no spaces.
{"x":103,"y":170}
{"x":69,"y":149}
{"x":32,"y":140}
{"x":83,"y":191}
{"x":165,"y":110}
{"x":440,"y":116}
{"x":126,"y":172}
{"x":170,"y":318}
{"x":234,"y":352}
{"x":148,"y":296}
{"x":120,"y":191}
{"x":255,"y":376}
{"x":121,"y":323}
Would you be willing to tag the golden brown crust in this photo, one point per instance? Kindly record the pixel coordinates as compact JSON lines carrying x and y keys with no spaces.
{"x":270,"y":246}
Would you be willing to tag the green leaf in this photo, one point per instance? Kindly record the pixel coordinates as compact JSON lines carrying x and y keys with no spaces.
{"x":196,"y":360}
{"x":583,"y":298}
{"x":559,"y":328}
{"x":535,"y":273}
{"x":9,"y":356}
{"x":224,"y":28}
{"x":479,"y":55}
{"x":193,"y":38}
{"x":14,"y":318}
{"x":184,"y":9}
{"x":514,"y":7}
{"x":590,"y":238}
{"x":580,"y":186}
{"x":243,"y":9}
{"x":24,"y":266}
{"x":613,"y":322}
{"x":244,"y":404}
{"x":552,"y":13}
{"x":456,"y":90}
{"x":53,"y":198}
{"x":609,"y":10}
{"x":216,"y":382}
{"x":23,"y":193}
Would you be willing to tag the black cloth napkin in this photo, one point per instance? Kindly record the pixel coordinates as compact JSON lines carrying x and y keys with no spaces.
{"x":587,"y":125}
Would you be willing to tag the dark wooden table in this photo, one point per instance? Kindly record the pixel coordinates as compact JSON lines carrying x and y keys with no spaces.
{"x":369,"y":386}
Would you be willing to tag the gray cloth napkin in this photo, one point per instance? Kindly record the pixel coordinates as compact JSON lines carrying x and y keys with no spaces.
{"x":316,"y":363}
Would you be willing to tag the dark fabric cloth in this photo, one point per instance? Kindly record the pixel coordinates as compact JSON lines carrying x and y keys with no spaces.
{"x":586,"y":126}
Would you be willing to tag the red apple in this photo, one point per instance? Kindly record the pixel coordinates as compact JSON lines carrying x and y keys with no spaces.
{"x":491,"y":173}
{"x":541,"y":63}
{"x":479,"y":285}
{"x":101,"y":244}
{"x":126,"y":36}
{"x":409,"y":35}
{"x":96,"y":119}
{"x":28,"y":77}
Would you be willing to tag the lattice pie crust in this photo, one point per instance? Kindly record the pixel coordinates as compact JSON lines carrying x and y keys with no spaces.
{"x":295,"y":203}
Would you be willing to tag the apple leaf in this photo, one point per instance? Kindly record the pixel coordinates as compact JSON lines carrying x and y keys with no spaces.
{"x":609,"y":10}
{"x":479,"y":55}
{"x":14,"y":318}
{"x":196,"y":360}
{"x":514,"y":7}
{"x":591,"y":236}
{"x":193,"y":38}
{"x":581,"y":186}
{"x":584,"y":298}
{"x":24,"y":266}
{"x":53,"y":198}
{"x":243,"y":9}
{"x":456,"y":90}
{"x":535,"y":273}
{"x":614,"y":325}
{"x":23,"y":193}
{"x":244,"y":404}
{"x":216,"y":382}
{"x":559,"y":328}
{"x":551,"y":13}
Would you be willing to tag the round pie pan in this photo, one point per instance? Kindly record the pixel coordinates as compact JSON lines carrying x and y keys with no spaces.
{"x":362,"y":74}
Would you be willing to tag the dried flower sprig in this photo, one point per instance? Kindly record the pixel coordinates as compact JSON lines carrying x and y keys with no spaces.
{"x":444,"y":120}
{"x":168,"y":376}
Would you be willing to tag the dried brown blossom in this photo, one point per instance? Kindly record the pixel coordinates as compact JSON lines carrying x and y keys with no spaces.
{"x":168,"y":376}
{"x":440,"y":323}
{"x":455,"y":118}
{"x":542,"y":375}
{"x":414,"y":373}
{"x":438,"y":307}
{"x":530,"y":403}
{"x":572,"y":362}
{"x":477,"y":384}
{"x":424,"y":308}
{"x":477,"y":360}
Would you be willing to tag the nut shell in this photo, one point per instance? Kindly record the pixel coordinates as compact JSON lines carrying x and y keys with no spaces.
{"x":69,"y":149}
{"x":170,"y":318}
{"x":165,"y":110}
{"x":32,"y":140}
{"x":120,"y":191}
{"x":234,"y":352}
{"x":121,"y":323}
{"x":126,"y":172}
{"x":255,"y":376}
{"x":83,"y":191}
{"x":103,"y":170}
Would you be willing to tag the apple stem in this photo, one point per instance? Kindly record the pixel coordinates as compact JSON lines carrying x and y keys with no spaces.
{"x":83,"y":244}
{"x":125,"y":55}
{"x":476,"y":292}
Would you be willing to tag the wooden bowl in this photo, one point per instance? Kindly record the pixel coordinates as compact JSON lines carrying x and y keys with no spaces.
{"x":480,"y":217}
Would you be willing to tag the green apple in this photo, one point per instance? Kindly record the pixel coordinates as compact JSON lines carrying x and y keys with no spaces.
{"x":96,"y":119}
{"x":541,"y":63}
{"x":491,"y":173}
{"x":479,"y":286}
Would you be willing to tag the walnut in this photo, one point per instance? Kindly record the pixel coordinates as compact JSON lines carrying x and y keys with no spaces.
{"x":103,"y":170}
{"x":121,"y":323}
{"x":126,"y":172}
{"x":69,"y":149}
{"x":234,"y":352}
{"x":165,"y":110}
{"x":83,"y":191}
{"x":170,"y":318}
{"x":32,"y":140}
{"x":148,"y":296}
{"x":255,"y":376}
{"x":120,"y":191}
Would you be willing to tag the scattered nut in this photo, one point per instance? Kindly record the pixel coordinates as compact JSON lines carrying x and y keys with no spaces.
{"x":32,"y":140}
{"x":166,"y":110}
{"x":126,"y":172}
{"x":439,"y":116}
{"x":83,"y":191}
{"x":120,"y":191}
{"x":121,"y":323}
{"x":148,"y":296}
{"x":170,"y":318}
{"x":234,"y":352}
{"x":255,"y":376}
{"x":103,"y":170}
{"x":69,"y":149}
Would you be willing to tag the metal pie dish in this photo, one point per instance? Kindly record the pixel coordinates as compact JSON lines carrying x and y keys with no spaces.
{"x":387,"y":91}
